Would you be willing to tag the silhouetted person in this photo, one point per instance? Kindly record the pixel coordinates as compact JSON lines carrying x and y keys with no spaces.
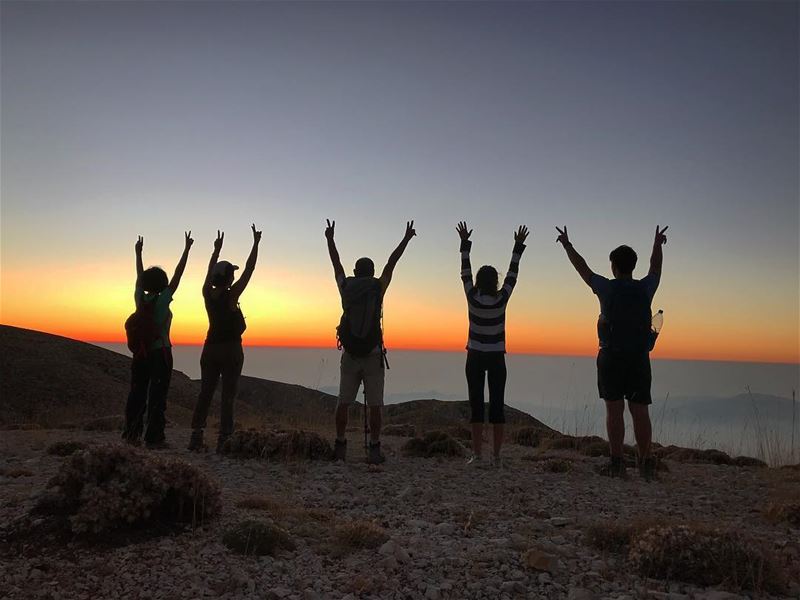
{"x":148,"y":338}
{"x":361,"y":339}
{"x":624,"y":331}
{"x":486,"y":347}
{"x":222,"y":355}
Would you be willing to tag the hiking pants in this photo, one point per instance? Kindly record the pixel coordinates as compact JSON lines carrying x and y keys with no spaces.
{"x":150,"y":377}
{"x":225,"y":360}
{"x":479,"y":366}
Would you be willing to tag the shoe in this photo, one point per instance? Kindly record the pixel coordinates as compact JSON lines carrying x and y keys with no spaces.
{"x":476,"y":461}
{"x":160,"y":445}
{"x":340,"y":450}
{"x":648,"y":470}
{"x":196,"y":443}
{"x":375,"y":457}
{"x":615,"y":468}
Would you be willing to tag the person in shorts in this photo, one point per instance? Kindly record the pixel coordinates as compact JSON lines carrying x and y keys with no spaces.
{"x":624,"y":332}
{"x":360,"y":337}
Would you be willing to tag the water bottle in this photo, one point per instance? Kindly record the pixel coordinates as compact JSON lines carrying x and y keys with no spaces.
{"x":656,"y":323}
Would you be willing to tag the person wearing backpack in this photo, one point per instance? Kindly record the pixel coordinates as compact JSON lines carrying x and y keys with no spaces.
{"x":624,"y":332}
{"x":222,"y":355}
{"x":147,"y":332}
{"x":486,"y":345}
{"x":361,"y":339}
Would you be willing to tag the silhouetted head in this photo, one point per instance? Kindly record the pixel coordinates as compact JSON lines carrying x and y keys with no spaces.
{"x":486,"y":280}
{"x":364,"y":268}
{"x":153,"y":280}
{"x":222,"y":274}
{"x":623,"y":261}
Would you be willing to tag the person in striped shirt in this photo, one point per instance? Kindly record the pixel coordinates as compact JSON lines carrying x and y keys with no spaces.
{"x":486,"y":346}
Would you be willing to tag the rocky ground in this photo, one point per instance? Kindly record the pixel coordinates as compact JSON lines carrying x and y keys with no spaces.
{"x":453,"y":531}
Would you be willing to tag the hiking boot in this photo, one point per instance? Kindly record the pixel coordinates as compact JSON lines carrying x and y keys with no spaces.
{"x":615,"y":468}
{"x":375,"y":457}
{"x":648,"y":469}
{"x":196,"y":443}
{"x":340,"y":450}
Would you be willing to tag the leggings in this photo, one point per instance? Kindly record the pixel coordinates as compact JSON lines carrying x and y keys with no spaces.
{"x":150,"y":377}
{"x":479,"y":365}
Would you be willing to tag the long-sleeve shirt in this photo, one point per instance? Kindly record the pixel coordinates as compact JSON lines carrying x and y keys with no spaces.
{"x":487,"y":312}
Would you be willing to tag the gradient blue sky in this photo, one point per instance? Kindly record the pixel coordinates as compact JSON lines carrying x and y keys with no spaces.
{"x":146,"y":118}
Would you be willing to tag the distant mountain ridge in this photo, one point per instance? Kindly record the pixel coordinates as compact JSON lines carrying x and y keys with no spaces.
{"x":49,"y":380}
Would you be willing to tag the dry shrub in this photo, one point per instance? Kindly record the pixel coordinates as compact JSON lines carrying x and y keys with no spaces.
{"x":266,"y":503}
{"x":66,"y":448}
{"x":111,"y":487}
{"x":358,"y":534}
{"x":278,"y":445}
{"x":747,"y":461}
{"x":460,"y":433}
{"x":257,"y":538}
{"x":707,"y":557}
{"x":14,"y":472}
{"x":400,"y":430}
{"x":435,"y":443}
{"x":712,"y":456}
{"x":610,"y":536}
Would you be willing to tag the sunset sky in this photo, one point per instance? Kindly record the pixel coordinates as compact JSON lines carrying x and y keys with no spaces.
{"x":126,"y":119}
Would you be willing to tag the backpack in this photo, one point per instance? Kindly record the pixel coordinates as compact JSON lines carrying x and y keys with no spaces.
{"x":629,"y":318}
{"x":359,"y":330}
{"x":141,"y":329}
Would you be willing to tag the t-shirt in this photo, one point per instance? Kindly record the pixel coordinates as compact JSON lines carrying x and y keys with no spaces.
{"x":603,"y":288}
{"x":161,"y":313}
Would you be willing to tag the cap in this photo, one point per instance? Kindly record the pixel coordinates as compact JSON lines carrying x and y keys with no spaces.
{"x":223,"y":268}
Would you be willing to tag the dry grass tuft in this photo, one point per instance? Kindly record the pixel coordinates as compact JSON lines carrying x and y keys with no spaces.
{"x":266,"y":503}
{"x":784,"y":511}
{"x":278,"y":445}
{"x":435,"y":443}
{"x":257,"y":538}
{"x":557,"y":465}
{"x":707,"y":557}
{"x":357,"y":534}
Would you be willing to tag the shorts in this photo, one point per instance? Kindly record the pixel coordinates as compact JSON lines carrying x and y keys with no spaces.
{"x":354,"y":371}
{"x":624,"y":376}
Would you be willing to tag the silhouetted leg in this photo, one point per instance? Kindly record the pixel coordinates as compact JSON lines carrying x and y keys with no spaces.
{"x":161,"y":373}
{"x":615,"y":426}
{"x":209,"y":376}
{"x":476,"y":379}
{"x":231,"y":370}
{"x":349,"y":382}
{"x":137,"y":400}
{"x":642,"y":428}
{"x":497,"y":388}
{"x":374,"y":376}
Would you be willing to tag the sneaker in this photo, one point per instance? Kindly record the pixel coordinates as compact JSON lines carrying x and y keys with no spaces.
{"x":647,"y":469}
{"x":340,"y":450}
{"x":614,"y":468}
{"x":375,"y":457}
{"x":196,"y":443}
{"x":476,"y":460}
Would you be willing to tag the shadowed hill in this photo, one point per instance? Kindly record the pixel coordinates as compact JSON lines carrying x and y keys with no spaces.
{"x":49,"y":380}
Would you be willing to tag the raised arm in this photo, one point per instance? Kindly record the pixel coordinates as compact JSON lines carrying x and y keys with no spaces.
{"x":139,"y":265}
{"x":386,"y":276}
{"x":250,"y":266}
{"x":338,"y":270}
{"x":214,"y":258}
{"x":657,"y":258}
{"x":176,"y":277}
{"x":576,"y":259}
{"x":466,"y":246}
{"x":513,"y":268}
